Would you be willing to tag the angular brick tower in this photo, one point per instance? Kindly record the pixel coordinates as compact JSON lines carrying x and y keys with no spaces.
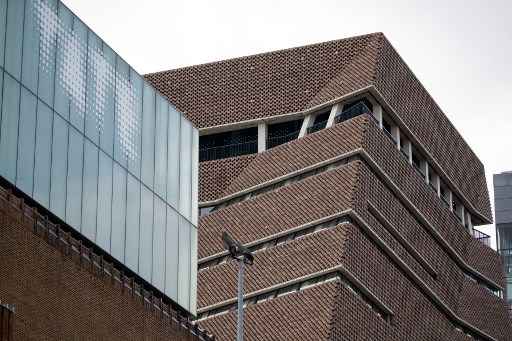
{"x":357,"y":195}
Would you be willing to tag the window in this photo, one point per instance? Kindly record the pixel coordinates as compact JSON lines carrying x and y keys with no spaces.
{"x":386,"y":126}
{"x":357,"y":103}
{"x":458,"y":208}
{"x":228,"y":144}
{"x":416,"y":161}
{"x":445,"y":193}
{"x":320,"y":121}
{"x":284,"y":132}
{"x":355,"y":108}
{"x":404,"y":147}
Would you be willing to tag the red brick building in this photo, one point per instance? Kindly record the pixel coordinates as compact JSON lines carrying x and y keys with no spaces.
{"x":59,"y":288}
{"x":357,"y":195}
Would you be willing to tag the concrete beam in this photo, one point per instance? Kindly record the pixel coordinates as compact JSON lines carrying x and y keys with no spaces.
{"x":437,"y":184}
{"x":308,"y":120}
{"x":425,"y":169}
{"x":335,"y":110}
{"x":395,"y":132}
{"x":262,"y":137}
{"x":377,"y":113}
{"x":450,"y":200}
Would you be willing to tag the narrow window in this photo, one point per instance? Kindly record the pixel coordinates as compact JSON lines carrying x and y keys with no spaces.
{"x":284,"y":132}
{"x":320,"y":121}
{"x":228,"y":144}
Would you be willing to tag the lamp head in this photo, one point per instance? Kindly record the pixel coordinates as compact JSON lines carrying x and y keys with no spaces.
{"x":236,"y":249}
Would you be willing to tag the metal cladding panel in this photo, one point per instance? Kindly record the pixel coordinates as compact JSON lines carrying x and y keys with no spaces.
{"x":92,"y":137}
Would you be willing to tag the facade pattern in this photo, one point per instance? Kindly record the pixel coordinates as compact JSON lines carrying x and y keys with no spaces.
{"x":363,"y":228}
{"x":503,"y":209}
{"x":85,"y":137}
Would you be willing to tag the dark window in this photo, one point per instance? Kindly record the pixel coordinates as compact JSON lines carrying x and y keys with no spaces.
{"x":228,"y":144}
{"x":403,"y":148}
{"x":320,"y":122}
{"x":386,"y":126}
{"x":358,"y":102}
{"x":444,"y":193}
{"x":416,"y":162}
{"x":353,"y":109}
{"x":280,"y":133}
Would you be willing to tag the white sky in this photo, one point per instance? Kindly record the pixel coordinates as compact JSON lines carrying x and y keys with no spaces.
{"x":460,"y":50}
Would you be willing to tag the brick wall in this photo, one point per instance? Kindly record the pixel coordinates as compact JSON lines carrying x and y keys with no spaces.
{"x":60,"y":294}
{"x":216,"y":175}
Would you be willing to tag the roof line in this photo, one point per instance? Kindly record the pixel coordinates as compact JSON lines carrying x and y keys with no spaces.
{"x":267,"y":53}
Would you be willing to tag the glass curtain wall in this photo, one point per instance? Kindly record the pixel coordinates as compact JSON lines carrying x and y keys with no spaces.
{"x":84,"y":135}
{"x":503,"y":215}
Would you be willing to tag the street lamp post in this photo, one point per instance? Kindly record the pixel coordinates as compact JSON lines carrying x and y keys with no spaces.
{"x":243,"y":256}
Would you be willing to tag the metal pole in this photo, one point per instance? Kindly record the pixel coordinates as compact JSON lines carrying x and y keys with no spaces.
{"x":240,"y":324}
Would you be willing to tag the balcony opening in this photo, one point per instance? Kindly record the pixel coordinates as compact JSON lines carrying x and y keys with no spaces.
{"x":458,"y":209}
{"x":320,"y":121}
{"x":432,"y":180}
{"x":386,"y":127}
{"x":404,"y":147}
{"x":484,"y":238}
{"x":353,"y":109}
{"x":445,"y":194}
{"x":228,"y":144}
{"x":280,"y":133}
{"x":417,"y":162}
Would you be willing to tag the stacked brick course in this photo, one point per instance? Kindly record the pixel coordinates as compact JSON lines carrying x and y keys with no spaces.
{"x":407,"y":269}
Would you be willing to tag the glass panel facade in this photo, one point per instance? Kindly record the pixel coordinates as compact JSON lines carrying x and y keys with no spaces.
{"x":184,"y":251}
{"x":171,"y":253}
{"x":58,"y":188}
{"x":104,"y":222}
{"x":89,"y":140}
{"x":26,"y":141}
{"x":132,"y":223}
{"x":9,"y":128}
{"x":43,"y":154}
{"x":503,"y":218}
{"x":146,"y":233}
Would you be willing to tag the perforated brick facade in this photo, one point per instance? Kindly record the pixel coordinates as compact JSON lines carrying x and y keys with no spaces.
{"x":298,"y":79}
{"x":350,"y":241}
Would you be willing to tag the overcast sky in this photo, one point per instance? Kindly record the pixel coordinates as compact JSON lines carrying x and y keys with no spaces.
{"x":460,"y":50}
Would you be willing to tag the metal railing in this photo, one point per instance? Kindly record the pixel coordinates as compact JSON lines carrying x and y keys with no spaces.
{"x":482,"y":237}
{"x":275,"y":141}
{"x":222,"y":152}
{"x":354,"y":111}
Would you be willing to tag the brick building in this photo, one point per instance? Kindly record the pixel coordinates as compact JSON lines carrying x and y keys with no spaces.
{"x":357,"y":195}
